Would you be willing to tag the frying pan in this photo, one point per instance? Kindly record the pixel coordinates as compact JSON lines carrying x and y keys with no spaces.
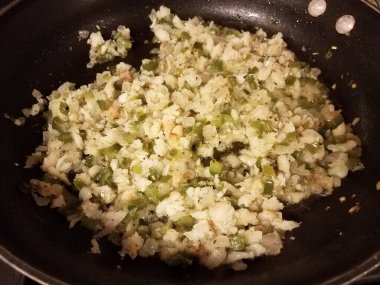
{"x":39,"y":49}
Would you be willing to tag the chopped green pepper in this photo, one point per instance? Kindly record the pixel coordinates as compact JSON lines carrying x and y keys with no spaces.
{"x":155,"y":173}
{"x":258,"y":162}
{"x":313,"y":148}
{"x":198,"y":45}
{"x":83,"y":134}
{"x":173,"y":152}
{"x":253,"y":70}
{"x":215,"y":167}
{"x":185,"y":222}
{"x":290,"y":80}
{"x":268,"y":187}
{"x":64,"y":108}
{"x":78,"y":182}
{"x":65,"y":137}
{"x":128,"y":138}
{"x":137,"y":169}
{"x":298,"y":64}
{"x":267,"y":170}
{"x":217,"y":64}
{"x":89,"y":160}
{"x":138,"y":204}
{"x":150,"y":65}
{"x":198,"y":128}
{"x":232,"y":80}
{"x":88,"y":95}
{"x":290,"y":137}
{"x":58,"y":124}
{"x":102,"y":104}
{"x":90,"y":224}
{"x":335,"y":122}
{"x":121,"y":41}
{"x":141,"y":116}
{"x":237,"y":243}
{"x":221,"y":119}
{"x":185,"y":36}
{"x":152,"y":194}
{"x":262,"y":126}
{"x":160,"y":232}
{"x":105,"y":177}
{"x":296,"y":154}
{"x":111,"y":150}
{"x":251,"y":82}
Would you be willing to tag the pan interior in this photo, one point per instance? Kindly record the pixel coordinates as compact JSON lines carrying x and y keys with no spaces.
{"x":40,"y":49}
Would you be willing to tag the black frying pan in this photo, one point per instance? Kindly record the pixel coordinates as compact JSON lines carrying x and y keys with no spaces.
{"x":39,"y":49}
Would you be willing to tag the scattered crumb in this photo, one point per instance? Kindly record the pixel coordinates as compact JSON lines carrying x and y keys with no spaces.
{"x":315,"y":53}
{"x":20,"y":121}
{"x":122,"y":254}
{"x":354,"y":209}
{"x":340,"y":233}
{"x":303,"y":48}
{"x":334,"y":47}
{"x":378,"y":186}
{"x":353,"y":196}
{"x":118,"y":267}
{"x":70,"y":48}
{"x":342,"y":199}
{"x":95,"y":246}
{"x":146,"y":42}
{"x":355,"y":121}
{"x":97,"y":26}
{"x":292,"y":238}
{"x":333,"y":87}
{"x":327,"y":208}
{"x":16,"y":164}
{"x":354,"y":85}
{"x":239,"y":266}
{"x":83,"y":34}
{"x":328,"y":55}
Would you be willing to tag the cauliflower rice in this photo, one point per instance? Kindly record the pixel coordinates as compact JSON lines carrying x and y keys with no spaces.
{"x":194,"y":155}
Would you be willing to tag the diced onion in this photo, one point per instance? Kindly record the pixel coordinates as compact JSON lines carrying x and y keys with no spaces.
{"x":317,"y":7}
{"x":345,"y":24}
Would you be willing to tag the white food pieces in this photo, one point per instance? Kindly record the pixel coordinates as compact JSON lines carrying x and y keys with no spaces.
{"x":316,"y":7}
{"x":345,"y":24}
{"x":193,"y":156}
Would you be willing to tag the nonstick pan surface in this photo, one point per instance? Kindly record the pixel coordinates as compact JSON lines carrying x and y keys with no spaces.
{"x":39,"y":49}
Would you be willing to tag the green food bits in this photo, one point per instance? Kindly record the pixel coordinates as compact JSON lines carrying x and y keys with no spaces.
{"x":215,"y":167}
{"x":237,"y":243}
{"x":268,"y":187}
{"x":150,"y":65}
{"x":137,"y":168}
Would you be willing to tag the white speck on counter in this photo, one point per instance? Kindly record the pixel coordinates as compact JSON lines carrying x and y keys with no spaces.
{"x":378,"y":186}
{"x":316,"y":7}
{"x":345,"y":24}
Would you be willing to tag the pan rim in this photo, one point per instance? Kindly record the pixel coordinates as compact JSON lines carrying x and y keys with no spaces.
{"x":347,"y":277}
